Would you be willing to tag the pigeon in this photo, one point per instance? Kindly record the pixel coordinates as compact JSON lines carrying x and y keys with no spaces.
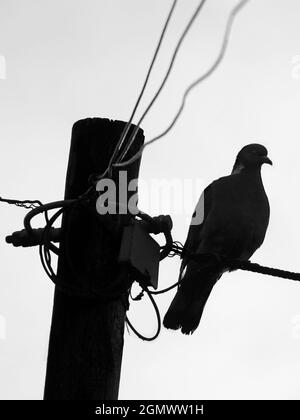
{"x":235,"y":218}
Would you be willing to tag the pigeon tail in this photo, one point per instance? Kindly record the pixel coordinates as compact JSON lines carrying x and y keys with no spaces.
{"x":188,"y":304}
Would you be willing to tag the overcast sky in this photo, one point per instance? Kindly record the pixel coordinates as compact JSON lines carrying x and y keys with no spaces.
{"x":63,"y":60}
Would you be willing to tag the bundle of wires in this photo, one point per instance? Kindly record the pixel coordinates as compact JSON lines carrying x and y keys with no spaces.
{"x":118,"y":158}
{"x":104,"y":293}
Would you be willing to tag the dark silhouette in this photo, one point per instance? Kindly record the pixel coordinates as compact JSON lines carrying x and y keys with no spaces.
{"x":235,"y":220}
{"x":86,"y":339}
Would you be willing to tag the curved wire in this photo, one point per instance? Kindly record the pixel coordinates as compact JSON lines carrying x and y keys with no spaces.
{"x":42,"y":208}
{"x":27,"y":204}
{"x":128,"y":124}
{"x":167,"y":289}
{"x":44,"y":252}
{"x":45,"y":257}
{"x":181,"y":39}
{"x":207,"y":74}
{"x":142,"y":337}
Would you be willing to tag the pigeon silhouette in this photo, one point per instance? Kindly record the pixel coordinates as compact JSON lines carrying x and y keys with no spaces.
{"x":235,"y":217}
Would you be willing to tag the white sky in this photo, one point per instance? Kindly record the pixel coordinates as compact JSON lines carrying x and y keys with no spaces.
{"x":67,"y":60}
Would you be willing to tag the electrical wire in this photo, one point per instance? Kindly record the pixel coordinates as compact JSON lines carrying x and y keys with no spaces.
{"x":177,"y":48}
{"x":136,"y":129}
{"x":141,"y":336}
{"x":127,"y":127}
{"x":104,"y":294}
{"x":128,"y":124}
{"x":42,"y":208}
{"x":206,"y":75}
{"x":27,"y":204}
{"x":167,"y":289}
{"x":44,"y":251}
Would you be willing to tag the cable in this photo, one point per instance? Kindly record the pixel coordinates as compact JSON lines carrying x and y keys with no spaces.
{"x":233,"y":264}
{"x":50,"y":206}
{"x":105,"y":294}
{"x":269,"y":271}
{"x":207,"y":74}
{"x":44,"y":250}
{"x":128,"y":124}
{"x":167,"y":289}
{"x":27,"y":204}
{"x":142,"y":337}
{"x":177,"y":48}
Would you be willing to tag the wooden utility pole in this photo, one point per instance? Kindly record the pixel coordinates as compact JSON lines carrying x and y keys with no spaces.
{"x":86,"y":338}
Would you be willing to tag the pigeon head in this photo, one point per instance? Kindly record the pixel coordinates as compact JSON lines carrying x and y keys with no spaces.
{"x":251,"y":156}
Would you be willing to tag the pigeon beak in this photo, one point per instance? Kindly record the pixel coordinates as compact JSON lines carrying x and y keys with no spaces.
{"x":267,"y":160}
